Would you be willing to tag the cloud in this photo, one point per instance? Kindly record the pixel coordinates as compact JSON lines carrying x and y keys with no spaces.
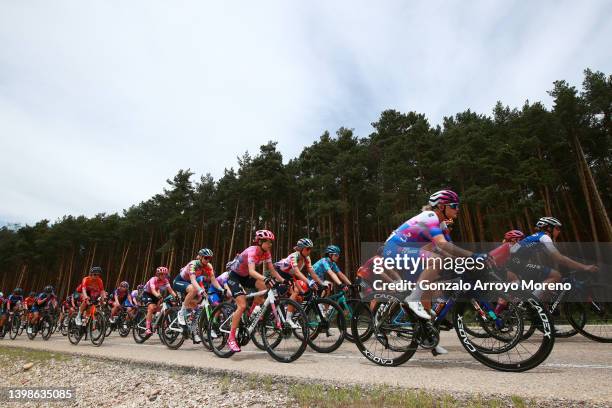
{"x":101,"y":102}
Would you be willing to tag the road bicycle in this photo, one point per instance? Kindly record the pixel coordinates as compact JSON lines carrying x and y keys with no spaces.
{"x":93,"y":325}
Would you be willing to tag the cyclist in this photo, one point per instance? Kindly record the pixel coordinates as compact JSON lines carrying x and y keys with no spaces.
{"x":151,"y":295}
{"x":419,"y":237}
{"x":122,"y":299}
{"x":243,"y":275}
{"x":527,"y":255}
{"x":14,"y":300}
{"x":43,"y":301}
{"x":186,"y":282}
{"x":328,"y":266}
{"x":90,"y":287}
{"x":290,"y":268}
{"x":215,"y":296}
{"x":3,"y":313}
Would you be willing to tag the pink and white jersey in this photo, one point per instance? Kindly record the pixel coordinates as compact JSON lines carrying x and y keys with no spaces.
{"x":157,"y":284}
{"x":295,"y":259}
{"x":420,"y":228}
{"x":252,"y":255}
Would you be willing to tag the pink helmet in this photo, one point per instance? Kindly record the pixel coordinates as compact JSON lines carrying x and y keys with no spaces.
{"x":264,"y":234}
{"x":443,"y":197}
{"x":162,"y":270}
{"x":514,"y":234}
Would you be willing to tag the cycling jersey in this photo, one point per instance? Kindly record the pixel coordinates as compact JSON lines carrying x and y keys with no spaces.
{"x":197,"y":268}
{"x":294,"y":260}
{"x":13,"y":300}
{"x":121,"y":293}
{"x":156,"y":283}
{"x":323,"y":265}
{"x":29,"y":301}
{"x":93,"y":286}
{"x":528,"y":256}
{"x":410,"y":237}
{"x":252,"y":255}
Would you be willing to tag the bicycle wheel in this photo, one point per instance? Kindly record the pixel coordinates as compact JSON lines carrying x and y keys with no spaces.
{"x":14,"y":329}
{"x":75,"y":332}
{"x":278,"y":334}
{"x":203,"y":328}
{"x":385,"y":336}
{"x":96,"y":328}
{"x":326,"y":325}
{"x":46,"y":328}
{"x":493,"y":336}
{"x":31,"y":330}
{"x":170,"y":329}
{"x":597,"y":324}
{"x":220,"y":323}
{"x":140,"y":327}
{"x":124,"y":326}
{"x":353,"y":304}
{"x":527,"y":353}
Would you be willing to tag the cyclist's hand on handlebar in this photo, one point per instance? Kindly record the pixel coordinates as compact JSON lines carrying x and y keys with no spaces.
{"x":269,"y":282}
{"x":592,"y":268}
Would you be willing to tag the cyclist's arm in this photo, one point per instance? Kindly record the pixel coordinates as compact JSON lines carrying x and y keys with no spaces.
{"x":299,"y":275}
{"x":450,"y":248}
{"x":314,"y":276}
{"x":343,"y":278}
{"x":254,"y":274}
{"x":569,"y":262}
{"x":116,"y":299}
{"x":334,"y":277}
{"x":215,"y":283}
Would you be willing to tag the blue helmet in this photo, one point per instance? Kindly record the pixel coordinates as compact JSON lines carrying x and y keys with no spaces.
{"x":332,"y":250}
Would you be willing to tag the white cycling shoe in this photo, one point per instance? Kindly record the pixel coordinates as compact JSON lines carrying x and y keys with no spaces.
{"x":197,"y":338}
{"x":439,"y":350}
{"x":419,"y":310}
{"x":293,"y":324}
{"x":181,"y":318}
{"x":78,"y":321}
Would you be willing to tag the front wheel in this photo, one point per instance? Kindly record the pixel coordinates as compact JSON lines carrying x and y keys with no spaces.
{"x":285,"y":338}
{"x":46,"y":327}
{"x":96,"y":328}
{"x":15,"y":324}
{"x":220,"y":323}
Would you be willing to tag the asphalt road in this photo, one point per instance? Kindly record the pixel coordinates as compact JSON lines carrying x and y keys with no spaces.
{"x":578,"y":369}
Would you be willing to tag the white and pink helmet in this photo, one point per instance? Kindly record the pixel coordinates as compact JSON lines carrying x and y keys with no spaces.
{"x":264,"y":234}
{"x":443,"y":197}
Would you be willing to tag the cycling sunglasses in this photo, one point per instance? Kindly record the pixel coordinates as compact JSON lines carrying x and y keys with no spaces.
{"x":208,"y":258}
{"x":454,"y":206}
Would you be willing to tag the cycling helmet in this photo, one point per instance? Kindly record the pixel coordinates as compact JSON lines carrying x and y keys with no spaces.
{"x":96,"y":270}
{"x":205,"y":252}
{"x":304,"y":243}
{"x":332,"y":250}
{"x":162,"y":270}
{"x":124,"y":284}
{"x":48,"y":289}
{"x":443,"y":197}
{"x":545,"y":222}
{"x":514,"y":234}
{"x":264,"y":234}
{"x":18,"y":291}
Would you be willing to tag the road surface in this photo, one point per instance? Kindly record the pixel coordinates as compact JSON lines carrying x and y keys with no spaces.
{"x":578,"y":369}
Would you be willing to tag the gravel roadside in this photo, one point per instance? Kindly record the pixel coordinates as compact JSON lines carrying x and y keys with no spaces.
{"x":108,"y":383}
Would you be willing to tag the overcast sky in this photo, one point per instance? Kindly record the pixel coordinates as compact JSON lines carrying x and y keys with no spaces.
{"x":101,"y":102}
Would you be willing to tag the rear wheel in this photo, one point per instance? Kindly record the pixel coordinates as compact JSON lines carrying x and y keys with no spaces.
{"x":14,"y":326}
{"x":75,"y":332}
{"x":140,"y":327}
